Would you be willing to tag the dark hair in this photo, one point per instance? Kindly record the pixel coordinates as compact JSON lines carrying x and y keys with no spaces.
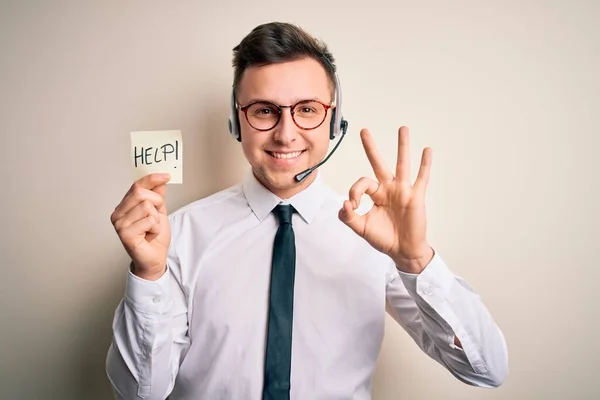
{"x":278,"y":42}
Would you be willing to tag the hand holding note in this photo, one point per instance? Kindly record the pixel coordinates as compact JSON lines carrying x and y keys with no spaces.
{"x":157,"y":151}
{"x":142,"y":224}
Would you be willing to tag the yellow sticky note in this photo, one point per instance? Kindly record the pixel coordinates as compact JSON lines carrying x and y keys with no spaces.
{"x":157,"y":151}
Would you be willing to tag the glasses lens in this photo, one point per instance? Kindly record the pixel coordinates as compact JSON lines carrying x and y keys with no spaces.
{"x":309,"y":114}
{"x":262,"y":116}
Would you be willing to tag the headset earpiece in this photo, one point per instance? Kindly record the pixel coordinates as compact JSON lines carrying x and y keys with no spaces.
{"x":234,"y":121}
{"x":332,"y":130}
{"x":344,"y":126}
{"x":338,"y":123}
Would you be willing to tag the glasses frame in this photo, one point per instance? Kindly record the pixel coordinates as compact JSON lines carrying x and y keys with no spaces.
{"x":280,"y":109}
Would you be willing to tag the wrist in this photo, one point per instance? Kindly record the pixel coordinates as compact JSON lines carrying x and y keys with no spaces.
{"x":151,"y":275}
{"x":415,"y":264}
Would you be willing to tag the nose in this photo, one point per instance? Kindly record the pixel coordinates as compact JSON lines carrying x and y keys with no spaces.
{"x":286,"y":130}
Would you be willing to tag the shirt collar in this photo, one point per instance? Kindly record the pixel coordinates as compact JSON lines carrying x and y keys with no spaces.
{"x":262,"y":201}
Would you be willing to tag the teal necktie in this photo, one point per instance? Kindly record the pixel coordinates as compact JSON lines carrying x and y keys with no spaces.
{"x":281,"y":306}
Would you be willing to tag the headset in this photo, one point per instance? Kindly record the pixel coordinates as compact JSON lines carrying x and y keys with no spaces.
{"x":338,"y":126}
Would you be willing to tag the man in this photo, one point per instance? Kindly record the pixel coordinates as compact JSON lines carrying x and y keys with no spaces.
{"x":274,"y":288}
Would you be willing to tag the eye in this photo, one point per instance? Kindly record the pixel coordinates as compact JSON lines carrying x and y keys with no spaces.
{"x":307,"y":110}
{"x":262,"y":110}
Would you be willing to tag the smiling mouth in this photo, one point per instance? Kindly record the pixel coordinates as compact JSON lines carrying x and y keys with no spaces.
{"x":285,"y":156}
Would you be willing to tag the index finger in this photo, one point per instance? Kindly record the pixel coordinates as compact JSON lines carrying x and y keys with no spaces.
{"x":157,"y":182}
{"x":382,"y":173}
{"x":151,"y":181}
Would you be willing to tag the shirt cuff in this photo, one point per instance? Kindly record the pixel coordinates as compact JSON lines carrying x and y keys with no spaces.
{"x":149,"y":297}
{"x":435,"y":280}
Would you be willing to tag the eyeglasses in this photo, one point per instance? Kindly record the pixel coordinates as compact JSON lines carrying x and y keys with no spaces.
{"x":306,"y":114}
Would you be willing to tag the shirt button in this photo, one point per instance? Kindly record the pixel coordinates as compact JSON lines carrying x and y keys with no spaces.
{"x":156,"y":299}
{"x":427,"y":291}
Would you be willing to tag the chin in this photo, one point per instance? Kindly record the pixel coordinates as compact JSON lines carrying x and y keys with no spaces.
{"x":283,"y":181}
{"x":280,"y":181}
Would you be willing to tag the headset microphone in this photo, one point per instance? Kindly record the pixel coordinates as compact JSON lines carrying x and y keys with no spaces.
{"x":302,"y":175}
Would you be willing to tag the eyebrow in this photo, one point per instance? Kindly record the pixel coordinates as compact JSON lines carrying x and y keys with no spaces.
{"x":296,"y":100}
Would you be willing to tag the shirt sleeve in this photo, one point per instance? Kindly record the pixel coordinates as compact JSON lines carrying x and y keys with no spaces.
{"x":434,"y":307}
{"x":150,"y":337}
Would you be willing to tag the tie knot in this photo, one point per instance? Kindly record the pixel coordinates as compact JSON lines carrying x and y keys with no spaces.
{"x":283,"y":213}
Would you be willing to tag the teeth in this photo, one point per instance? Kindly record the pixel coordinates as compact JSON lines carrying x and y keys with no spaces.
{"x":286,"y":155}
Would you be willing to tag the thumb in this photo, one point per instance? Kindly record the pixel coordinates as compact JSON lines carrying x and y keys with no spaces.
{"x":349,"y":217}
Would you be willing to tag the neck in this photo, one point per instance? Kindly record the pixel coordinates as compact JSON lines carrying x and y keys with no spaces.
{"x":287,"y":192}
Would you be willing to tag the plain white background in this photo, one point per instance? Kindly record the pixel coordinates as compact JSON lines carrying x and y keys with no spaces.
{"x":505,"y":92}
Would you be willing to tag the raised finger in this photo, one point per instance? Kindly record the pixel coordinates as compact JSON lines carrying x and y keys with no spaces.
{"x":382,"y":173}
{"x":403,"y":160}
{"x":424,"y":169}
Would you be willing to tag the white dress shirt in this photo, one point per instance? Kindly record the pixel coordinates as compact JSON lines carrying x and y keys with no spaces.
{"x":199,"y":332}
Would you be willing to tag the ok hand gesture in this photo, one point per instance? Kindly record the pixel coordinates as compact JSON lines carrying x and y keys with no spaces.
{"x":397,"y":224}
